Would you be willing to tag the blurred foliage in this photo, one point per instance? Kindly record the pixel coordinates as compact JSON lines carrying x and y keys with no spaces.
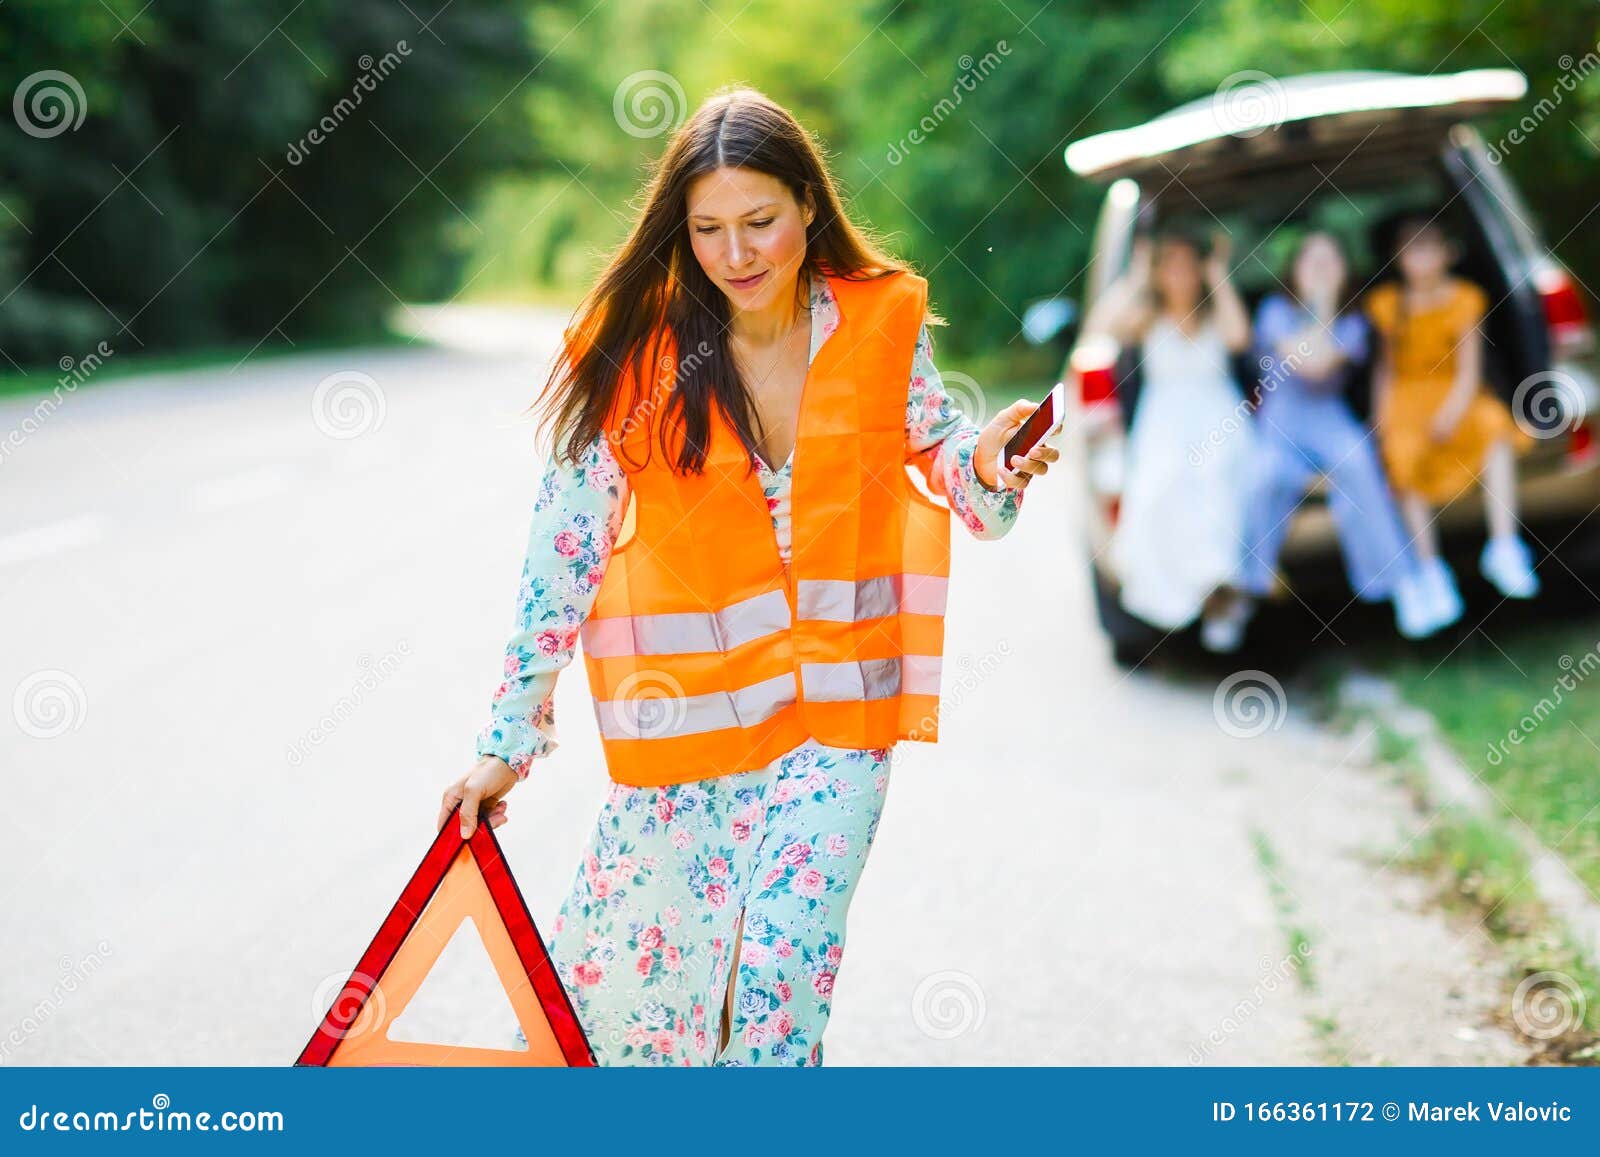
{"x":173,"y":215}
{"x":647,"y":62}
{"x":990,"y":212}
{"x":984,"y":203}
{"x":494,"y":161}
{"x":1555,"y":166}
{"x":991,"y":184}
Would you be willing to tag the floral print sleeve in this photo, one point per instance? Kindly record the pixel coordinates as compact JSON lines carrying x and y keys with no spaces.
{"x":937,"y":429}
{"x":576,"y":518}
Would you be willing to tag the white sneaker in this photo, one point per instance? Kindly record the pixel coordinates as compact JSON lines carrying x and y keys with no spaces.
{"x":1442,"y":597}
{"x":1415,"y":616}
{"x":1508,"y":564}
{"x":1224,"y":632}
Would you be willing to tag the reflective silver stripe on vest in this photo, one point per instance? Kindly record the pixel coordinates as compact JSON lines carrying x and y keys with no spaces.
{"x":870,"y":678}
{"x":688,"y":632}
{"x":666,"y":717}
{"x":844,"y":601}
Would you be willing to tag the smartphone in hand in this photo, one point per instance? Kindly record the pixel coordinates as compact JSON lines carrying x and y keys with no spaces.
{"x":1045,"y":420}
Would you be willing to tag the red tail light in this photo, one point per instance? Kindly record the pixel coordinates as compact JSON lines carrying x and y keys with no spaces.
{"x":1096,"y":385}
{"x":1094,"y":362}
{"x":1564,"y":310}
{"x":1580,"y":444}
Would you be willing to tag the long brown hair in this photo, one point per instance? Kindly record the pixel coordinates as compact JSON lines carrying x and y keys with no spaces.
{"x":1177,"y":237}
{"x":654,"y":279}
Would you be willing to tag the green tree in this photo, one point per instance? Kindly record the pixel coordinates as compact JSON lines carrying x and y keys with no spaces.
{"x":1555,"y":165}
{"x":970,"y":107}
{"x":247,"y":172}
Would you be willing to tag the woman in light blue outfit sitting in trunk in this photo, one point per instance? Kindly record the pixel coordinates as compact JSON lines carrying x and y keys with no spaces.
{"x":1307,"y":347}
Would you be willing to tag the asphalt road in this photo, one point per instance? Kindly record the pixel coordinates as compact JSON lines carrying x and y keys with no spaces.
{"x":245,"y":650}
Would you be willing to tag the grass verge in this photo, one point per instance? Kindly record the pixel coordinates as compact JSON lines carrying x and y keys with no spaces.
{"x":1523,"y":714}
{"x":1480,"y":873}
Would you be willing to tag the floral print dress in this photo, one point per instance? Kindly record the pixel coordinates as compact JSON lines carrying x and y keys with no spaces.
{"x":675,"y":879}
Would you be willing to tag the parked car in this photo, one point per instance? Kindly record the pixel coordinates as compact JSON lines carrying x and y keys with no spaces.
{"x":1346,"y":151}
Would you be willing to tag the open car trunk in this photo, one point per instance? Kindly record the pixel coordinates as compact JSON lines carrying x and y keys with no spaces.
{"x":1291,"y":135}
{"x":1268,"y":150}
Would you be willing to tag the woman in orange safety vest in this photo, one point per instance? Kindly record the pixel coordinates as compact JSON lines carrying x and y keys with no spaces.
{"x":731,"y":526}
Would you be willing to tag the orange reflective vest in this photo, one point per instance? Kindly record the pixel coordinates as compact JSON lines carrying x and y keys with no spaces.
{"x":705,"y":654}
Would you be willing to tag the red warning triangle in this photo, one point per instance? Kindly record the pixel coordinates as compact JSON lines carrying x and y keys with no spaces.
{"x":457,"y":881}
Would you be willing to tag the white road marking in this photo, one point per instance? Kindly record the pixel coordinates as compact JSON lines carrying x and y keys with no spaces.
{"x":234,"y":489}
{"x":51,"y":539}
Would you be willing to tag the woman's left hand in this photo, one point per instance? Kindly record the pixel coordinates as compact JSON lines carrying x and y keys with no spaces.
{"x":1216,"y":261}
{"x":994,"y":437}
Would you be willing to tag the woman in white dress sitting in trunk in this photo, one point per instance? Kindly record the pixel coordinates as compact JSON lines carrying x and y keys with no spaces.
{"x":1179,"y":539}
